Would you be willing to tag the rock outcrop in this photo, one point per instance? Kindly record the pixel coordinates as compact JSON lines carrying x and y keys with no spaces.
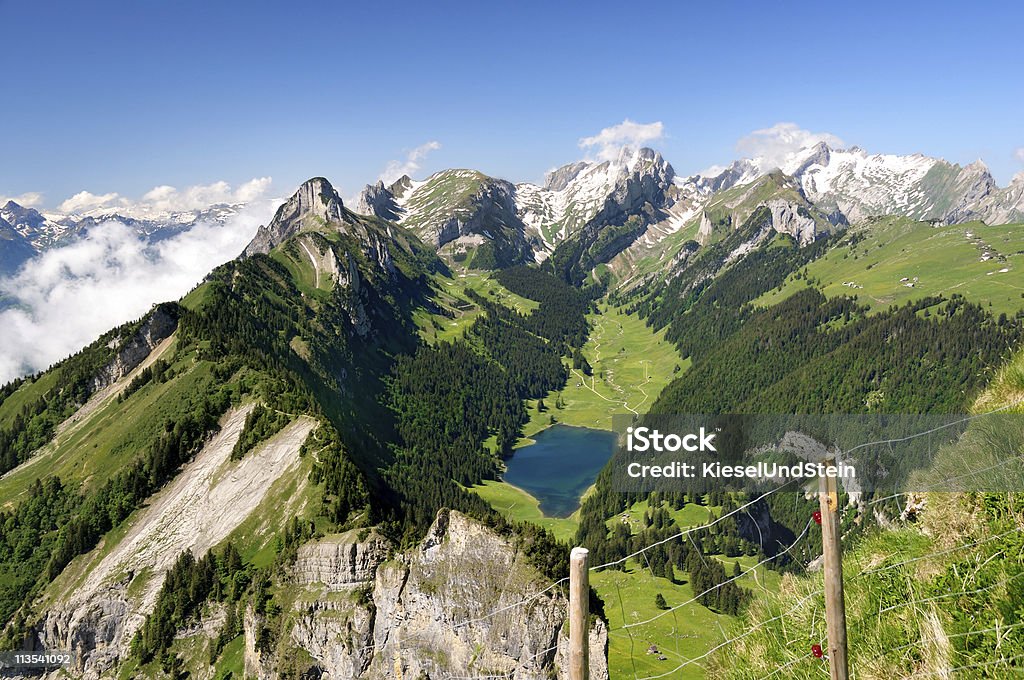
{"x":315,"y":204}
{"x":340,"y":562}
{"x":795,"y":220}
{"x":377,"y":199}
{"x":463,"y":603}
{"x":131,"y":351}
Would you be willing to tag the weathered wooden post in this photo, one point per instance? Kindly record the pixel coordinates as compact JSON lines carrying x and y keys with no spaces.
{"x":835,"y":606}
{"x":579,"y":615}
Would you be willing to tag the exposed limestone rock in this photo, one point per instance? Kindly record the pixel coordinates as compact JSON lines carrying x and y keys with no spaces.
{"x":209,"y":498}
{"x":314,"y":204}
{"x":429,"y":610}
{"x":559,"y":179}
{"x":130,"y":352}
{"x":794,"y":220}
{"x":340,"y":562}
{"x":705,"y":230}
{"x":376,"y":199}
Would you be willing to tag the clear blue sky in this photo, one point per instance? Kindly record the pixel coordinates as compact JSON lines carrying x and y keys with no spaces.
{"x":123,"y":96}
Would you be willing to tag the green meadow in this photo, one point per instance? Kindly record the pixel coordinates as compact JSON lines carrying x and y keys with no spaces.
{"x":892,"y":261}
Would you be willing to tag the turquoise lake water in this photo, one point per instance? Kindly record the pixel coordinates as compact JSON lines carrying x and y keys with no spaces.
{"x":559,"y":467}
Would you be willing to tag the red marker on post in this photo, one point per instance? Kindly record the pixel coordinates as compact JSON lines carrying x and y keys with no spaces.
{"x":817,"y":516}
{"x":817,"y":652}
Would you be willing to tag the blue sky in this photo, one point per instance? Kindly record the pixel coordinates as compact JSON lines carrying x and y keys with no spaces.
{"x":125,"y":96}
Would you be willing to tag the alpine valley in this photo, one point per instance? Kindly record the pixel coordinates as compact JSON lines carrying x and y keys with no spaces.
{"x":295,"y":470}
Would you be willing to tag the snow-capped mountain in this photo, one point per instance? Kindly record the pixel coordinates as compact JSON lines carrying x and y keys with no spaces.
{"x":41,"y":230}
{"x":521,"y":222}
{"x":859,"y":185}
{"x":578,"y":194}
{"x":589,"y":212}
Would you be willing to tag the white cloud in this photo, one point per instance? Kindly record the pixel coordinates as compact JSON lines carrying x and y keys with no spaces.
{"x":1019,"y":154}
{"x":166,"y":198}
{"x":412,"y":163}
{"x":29,"y":199}
{"x":85,"y":200}
{"x":610,"y":141}
{"x":773,"y":147}
{"x":67,"y":297}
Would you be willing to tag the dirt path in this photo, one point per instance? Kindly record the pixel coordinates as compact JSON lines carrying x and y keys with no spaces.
{"x":598,"y":338}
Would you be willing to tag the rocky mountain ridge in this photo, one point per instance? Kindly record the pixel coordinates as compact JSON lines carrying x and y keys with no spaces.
{"x":464,"y":213}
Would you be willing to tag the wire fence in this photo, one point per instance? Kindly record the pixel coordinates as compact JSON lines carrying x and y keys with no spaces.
{"x":813,"y":656}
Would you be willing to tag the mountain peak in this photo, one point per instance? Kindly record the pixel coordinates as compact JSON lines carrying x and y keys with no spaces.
{"x":559,"y":178}
{"x":376,"y":199}
{"x":314,"y":205}
{"x":977,"y":167}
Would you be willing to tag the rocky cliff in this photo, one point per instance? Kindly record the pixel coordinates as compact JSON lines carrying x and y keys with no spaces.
{"x":463,"y":603}
{"x":133,"y":350}
{"x":315,"y":204}
{"x":377,"y":199}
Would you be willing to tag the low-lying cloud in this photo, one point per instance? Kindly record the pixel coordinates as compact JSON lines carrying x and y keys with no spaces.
{"x":69,"y":296}
{"x":413,"y":161}
{"x":607,"y":144}
{"x":775,"y":146}
{"x":166,"y":198}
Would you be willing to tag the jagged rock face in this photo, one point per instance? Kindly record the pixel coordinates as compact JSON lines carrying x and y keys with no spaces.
{"x":589,"y":195}
{"x":795,"y":220}
{"x":738,"y":172}
{"x":97,"y":629}
{"x":376,"y":199}
{"x":862,"y":185}
{"x":429,"y":609}
{"x":18,"y":216}
{"x":315,"y":204}
{"x":130,"y":352}
{"x":559,"y":179}
{"x":340,"y":562}
{"x":646,"y":184}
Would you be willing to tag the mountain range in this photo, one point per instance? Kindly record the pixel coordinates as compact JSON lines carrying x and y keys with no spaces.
{"x":296,"y":470}
{"x":487,"y":222}
{"x":25,"y":232}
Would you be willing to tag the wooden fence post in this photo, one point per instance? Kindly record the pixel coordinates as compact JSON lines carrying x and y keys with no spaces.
{"x":835,"y":607}
{"x":579,"y":615}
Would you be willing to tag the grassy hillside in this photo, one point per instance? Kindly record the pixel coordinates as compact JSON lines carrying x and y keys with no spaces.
{"x":890,"y":261}
{"x":939,"y":593}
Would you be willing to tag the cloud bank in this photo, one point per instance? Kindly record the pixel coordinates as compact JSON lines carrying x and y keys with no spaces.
{"x":608,"y":143}
{"x":67,"y":297}
{"x":29,"y":199}
{"x":410,"y":165}
{"x":166,"y":198}
{"x":773,"y":147}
